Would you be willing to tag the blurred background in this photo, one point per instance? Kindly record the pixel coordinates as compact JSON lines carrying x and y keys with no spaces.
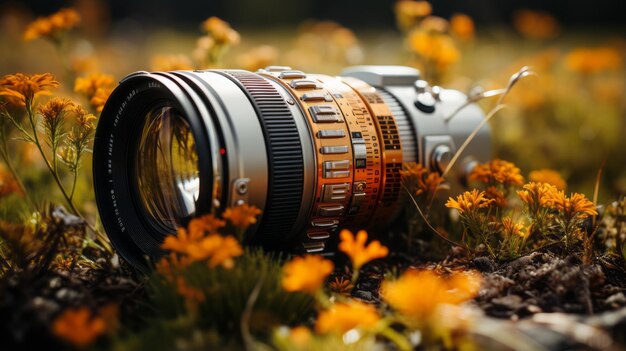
{"x":570,"y":118}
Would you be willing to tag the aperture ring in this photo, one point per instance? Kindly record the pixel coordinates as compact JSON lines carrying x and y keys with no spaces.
{"x":285,"y":159}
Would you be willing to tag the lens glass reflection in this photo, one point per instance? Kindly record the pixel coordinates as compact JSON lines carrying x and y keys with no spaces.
{"x":167,"y":167}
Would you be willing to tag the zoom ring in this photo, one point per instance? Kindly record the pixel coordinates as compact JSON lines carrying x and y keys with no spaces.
{"x":286,"y":164}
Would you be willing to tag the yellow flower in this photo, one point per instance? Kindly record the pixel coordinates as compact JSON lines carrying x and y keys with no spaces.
{"x":462,"y":26}
{"x":24,"y":88}
{"x":536,"y":195}
{"x":408,"y":12}
{"x":576,"y":206}
{"x":341,"y":317}
{"x":242,"y":216}
{"x":52,"y":25}
{"x":535,"y":24}
{"x":306,"y":273}
{"x":96,"y":87}
{"x":497,"y":171}
{"x":341,"y":285}
{"x":171,"y":63}
{"x":78,"y":327}
{"x":548,"y":176}
{"x":220,"y":31}
{"x":469,"y":201}
{"x":355,"y":248}
{"x":593,"y":60}
{"x":417,"y":294}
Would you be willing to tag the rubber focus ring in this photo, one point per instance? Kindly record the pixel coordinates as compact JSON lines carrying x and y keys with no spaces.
{"x":284,"y":154}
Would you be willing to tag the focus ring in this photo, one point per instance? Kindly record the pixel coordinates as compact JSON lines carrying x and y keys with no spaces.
{"x":284,"y":152}
{"x":407,"y":136}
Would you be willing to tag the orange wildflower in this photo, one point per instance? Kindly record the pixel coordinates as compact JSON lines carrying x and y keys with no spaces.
{"x":536,"y":195}
{"x":548,"y":176}
{"x":593,"y":60}
{"x":496,"y":195}
{"x":242,"y":216}
{"x":205,"y":224}
{"x":182,"y":240}
{"x":412,"y":170}
{"x":219,"y":250}
{"x":576,"y":206}
{"x":84,"y":120}
{"x":257,"y":58}
{"x":171,"y":63}
{"x":354,"y":247}
{"x":341,"y":317}
{"x":300,"y":335}
{"x":220,"y":31}
{"x":96,"y":87}
{"x":497,"y":171}
{"x":306,"y":273}
{"x":78,"y":327}
{"x":24,"y":88}
{"x":341,"y":285}
{"x":53,"y":25}
{"x":190,"y":293}
{"x":511,"y":228}
{"x":536,"y":24}
{"x":420,"y":180}
{"x":53,"y":113}
{"x":417,"y":294}
{"x":168,"y":266}
{"x":469,"y":201}
{"x":8,"y":184}
{"x":437,"y":48}
{"x":462,"y":26}
{"x":408,"y":12}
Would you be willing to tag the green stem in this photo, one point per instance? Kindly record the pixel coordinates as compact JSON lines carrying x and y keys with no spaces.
{"x":75,"y":178}
{"x":355,"y":275}
{"x":396,"y":338}
{"x":101,"y":237}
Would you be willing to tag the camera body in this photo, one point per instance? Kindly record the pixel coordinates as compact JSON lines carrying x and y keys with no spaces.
{"x":315,"y":153}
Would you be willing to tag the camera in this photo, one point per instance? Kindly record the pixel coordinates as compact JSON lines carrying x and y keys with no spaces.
{"x":314,"y":152}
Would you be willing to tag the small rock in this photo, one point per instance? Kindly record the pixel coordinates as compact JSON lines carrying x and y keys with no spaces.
{"x":510,"y":302}
{"x":363,"y":295}
{"x":534,"y":309}
{"x":484,"y":264}
{"x":616,"y":300}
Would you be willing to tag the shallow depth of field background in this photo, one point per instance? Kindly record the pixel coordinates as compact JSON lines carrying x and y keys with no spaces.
{"x":570,"y":118}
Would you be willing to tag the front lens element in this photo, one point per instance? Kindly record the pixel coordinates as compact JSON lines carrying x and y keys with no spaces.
{"x":167,"y":173}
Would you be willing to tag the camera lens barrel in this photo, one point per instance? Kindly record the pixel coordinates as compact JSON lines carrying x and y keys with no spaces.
{"x":315,"y":153}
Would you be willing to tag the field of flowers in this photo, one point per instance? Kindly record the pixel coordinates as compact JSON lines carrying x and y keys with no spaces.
{"x":536,"y":243}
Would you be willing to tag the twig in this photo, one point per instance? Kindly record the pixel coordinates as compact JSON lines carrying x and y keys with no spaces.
{"x":247,"y":337}
{"x":522,"y":73}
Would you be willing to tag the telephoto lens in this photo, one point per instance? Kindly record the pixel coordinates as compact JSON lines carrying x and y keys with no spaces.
{"x":315,"y":153}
